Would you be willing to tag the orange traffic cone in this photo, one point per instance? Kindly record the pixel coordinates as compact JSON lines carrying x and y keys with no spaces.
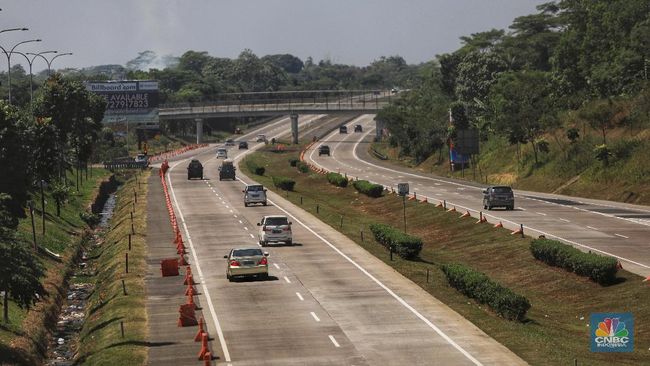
{"x":204,"y":346}
{"x":425,"y":200}
{"x":466,"y":214}
{"x":439,"y":204}
{"x":499,"y":224}
{"x":452,"y":209}
{"x":182,"y":261}
{"x":197,"y":338}
{"x":190,"y":290}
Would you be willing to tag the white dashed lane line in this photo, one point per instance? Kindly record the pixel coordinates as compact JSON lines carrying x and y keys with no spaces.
{"x":336,"y":344}
{"x":313,"y":315}
{"x":252,"y":236}
{"x":300,"y":296}
{"x":276,"y":265}
{"x":540,"y":213}
{"x":287,"y":279}
{"x":622,"y":236}
{"x":241,"y":222}
{"x":592,"y":228}
{"x":565,"y":220}
{"x":245,"y":228}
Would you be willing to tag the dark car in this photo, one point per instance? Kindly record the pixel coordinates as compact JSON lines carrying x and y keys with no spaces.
{"x":227,"y":170}
{"x":243,"y":145}
{"x":230,"y":142}
{"x":324,"y":150}
{"x":343,"y":129}
{"x":498,"y":196}
{"x":195,"y":169}
{"x":358,"y":128}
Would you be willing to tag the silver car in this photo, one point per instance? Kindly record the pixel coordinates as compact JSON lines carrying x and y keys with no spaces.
{"x":254,"y":193}
{"x":275,"y":229}
{"x":247,"y":262}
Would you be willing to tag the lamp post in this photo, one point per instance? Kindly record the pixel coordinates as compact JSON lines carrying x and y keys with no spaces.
{"x":49,"y":62}
{"x":31,"y":76}
{"x":8,"y":54}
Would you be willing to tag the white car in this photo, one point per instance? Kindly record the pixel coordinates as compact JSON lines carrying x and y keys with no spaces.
{"x":222,"y":153}
{"x":275,"y":229}
{"x":261,"y":138}
{"x":254,"y":193}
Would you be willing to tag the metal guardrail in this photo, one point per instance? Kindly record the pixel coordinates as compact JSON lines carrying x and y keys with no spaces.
{"x":114,"y":165}
{"x":379,"y":155}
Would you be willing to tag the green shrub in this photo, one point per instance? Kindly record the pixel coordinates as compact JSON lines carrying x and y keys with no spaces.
{"x":302,"y":167}
{"x":89,"y":218}
{"x":293,"y":161}
{"x":254,"y":167}
{"x":284,"y":183}
{"x":337,"y":179}
{"x":369,"y":189}
{"x":406,"y":246}
{"x":598,"y":268}
{"x":480,"y":287}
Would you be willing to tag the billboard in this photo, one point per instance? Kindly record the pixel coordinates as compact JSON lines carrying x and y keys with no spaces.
{"x":127,"y":97}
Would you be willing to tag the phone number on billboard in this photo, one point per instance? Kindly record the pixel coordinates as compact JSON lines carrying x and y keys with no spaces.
{"x":127,"y":101}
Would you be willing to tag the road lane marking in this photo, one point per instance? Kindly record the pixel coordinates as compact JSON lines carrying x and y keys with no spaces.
{"x":235,"y":216}
{"x":540,"y":213}
{"x":276,"y":265}
{"x":241,"y":222}
{"x":245,"y":228}
{"x":287,"y":279}
{"x":213,"y":313}
{"x":252,"y":236}
{"x":592,"y":228}
{"x":300,"y":296}
{"x":621,"y":236}
{"x":521,"y":208}
{"x":314,"y":316}
{"x":565,"y":220}
{"x":336,"y":344}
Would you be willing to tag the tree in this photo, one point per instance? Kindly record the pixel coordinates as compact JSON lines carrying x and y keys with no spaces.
{"x":603,"y":115}
{"x":523,"y":107}
{"x":14,"y":159}
{"x":476,"y":75}
{"x":20,"y":271}
{"x":60,"y":193}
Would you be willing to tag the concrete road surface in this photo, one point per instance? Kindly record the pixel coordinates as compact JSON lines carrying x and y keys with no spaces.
{"x":616,"y":229}
{"x":327,"y":301}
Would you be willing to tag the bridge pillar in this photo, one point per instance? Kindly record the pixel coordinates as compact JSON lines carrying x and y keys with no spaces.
{"x":199,"y":130}
{"x":294,"y":128}
{"x":379,"y":128}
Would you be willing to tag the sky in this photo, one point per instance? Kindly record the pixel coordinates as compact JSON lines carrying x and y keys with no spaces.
{"x":355,"y":32}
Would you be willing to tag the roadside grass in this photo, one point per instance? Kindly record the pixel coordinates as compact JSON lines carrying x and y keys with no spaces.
{"x":100,"y":341}
{"x":557,"y":327}
{"x":568,"y":168}
{"x":62,"y":236}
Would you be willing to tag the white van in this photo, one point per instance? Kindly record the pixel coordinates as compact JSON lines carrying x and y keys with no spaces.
{"x":254,"y":193}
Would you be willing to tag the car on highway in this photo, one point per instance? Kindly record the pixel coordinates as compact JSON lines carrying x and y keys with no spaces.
{"x":247,"y":262}
{"x":275,"y":229}
{"x":230,"y":142}
{"x":498,"y":196}
{"x":142,"y":159}
{"x":358,"y":128}
{"x":222,"y":153}
{"x":195,"y":170}
{"x":324,"y":150}
{"x":254,"y":193}
{"x":243,"y":145}
{"x":227,"y":170}
{"x":343,"y":129}
{"x":261,"y":138}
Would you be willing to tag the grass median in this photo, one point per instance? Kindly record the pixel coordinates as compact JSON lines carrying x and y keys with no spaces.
{"x":556,"y":330}
{"x":101,"y":341}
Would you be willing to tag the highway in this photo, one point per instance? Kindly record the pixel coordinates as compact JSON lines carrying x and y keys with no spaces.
{"x":616,"y":229}
{"x":327,"y":301}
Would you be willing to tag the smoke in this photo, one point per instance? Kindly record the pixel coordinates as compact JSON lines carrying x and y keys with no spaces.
{"x":159,"y":23}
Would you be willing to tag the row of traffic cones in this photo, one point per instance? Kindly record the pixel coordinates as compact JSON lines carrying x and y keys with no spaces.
{"x":170,"y":154}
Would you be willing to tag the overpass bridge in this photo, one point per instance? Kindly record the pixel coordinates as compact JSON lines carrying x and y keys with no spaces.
{"x":277,"y":104}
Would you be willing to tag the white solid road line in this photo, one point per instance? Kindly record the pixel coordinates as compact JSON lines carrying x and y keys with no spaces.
{"x":287,"y":279}
{"x":213,"y":313}
{"x":314,"y":316}
{"x":300,"y":296}
{"x":622,"y":236}
{"x":336,"y":344}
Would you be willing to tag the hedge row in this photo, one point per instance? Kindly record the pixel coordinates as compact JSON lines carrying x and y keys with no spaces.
{"x":337,"y":179}
{"x":253,"y":167}
{"x":598,"y":268}
{"x":284,"y":183}
{"x":369,"y":189}
{"x":406,"y":246}
{"x":480,"y":287}
{"x":302,"y":167}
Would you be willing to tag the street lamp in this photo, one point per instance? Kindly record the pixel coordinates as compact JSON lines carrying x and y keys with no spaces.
{"x":13,"y":29}
{"x":49,"y":62}
{"x":8,"y":54}
{"x":31,"y":76}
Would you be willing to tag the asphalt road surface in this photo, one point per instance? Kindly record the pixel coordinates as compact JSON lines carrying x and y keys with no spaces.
{"x":616,"y":229}
{"x":326,"y":302}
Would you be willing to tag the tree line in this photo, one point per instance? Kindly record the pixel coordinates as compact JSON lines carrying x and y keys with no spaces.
{"x":39,"y":146}
{"x":572,"y":61}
